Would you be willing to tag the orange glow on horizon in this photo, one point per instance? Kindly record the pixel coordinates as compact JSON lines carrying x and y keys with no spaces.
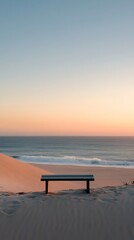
{"x":65,"y":126}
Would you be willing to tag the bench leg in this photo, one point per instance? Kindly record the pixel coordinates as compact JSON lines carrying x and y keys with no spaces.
{"x":88,"y":186}
{"x":46,"y":186}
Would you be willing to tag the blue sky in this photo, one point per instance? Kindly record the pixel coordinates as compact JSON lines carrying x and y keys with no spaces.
{"x":67,"y":56}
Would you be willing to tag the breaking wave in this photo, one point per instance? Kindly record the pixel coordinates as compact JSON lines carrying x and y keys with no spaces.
{"x":75,"y":160}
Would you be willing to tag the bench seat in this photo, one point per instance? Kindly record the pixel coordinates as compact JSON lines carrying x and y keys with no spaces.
{"x":67,"y":177}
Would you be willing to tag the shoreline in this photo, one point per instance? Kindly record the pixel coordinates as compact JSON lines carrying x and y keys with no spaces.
{"x":76,"y":165}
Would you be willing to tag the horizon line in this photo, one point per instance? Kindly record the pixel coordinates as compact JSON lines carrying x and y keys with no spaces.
{"x":66,"y":135}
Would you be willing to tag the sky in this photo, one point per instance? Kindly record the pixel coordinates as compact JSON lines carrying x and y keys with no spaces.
{"x":67,"y":67}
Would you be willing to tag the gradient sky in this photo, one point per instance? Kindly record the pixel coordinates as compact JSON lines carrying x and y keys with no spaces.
{"x":67,"y":67}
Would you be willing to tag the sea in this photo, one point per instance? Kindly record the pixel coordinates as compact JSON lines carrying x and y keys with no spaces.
{"x":78,"y":151}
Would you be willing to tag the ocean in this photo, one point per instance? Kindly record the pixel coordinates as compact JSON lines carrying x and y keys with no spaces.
{"x":81,"y":151}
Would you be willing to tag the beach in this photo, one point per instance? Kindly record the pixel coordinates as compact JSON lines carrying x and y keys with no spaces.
{"x":67,"y":212}
{"x":67,"y":111}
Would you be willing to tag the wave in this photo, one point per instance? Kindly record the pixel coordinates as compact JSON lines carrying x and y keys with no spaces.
{"x":75,"y":160}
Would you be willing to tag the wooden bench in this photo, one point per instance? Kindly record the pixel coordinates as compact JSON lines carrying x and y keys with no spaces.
{"x":68,"y":177}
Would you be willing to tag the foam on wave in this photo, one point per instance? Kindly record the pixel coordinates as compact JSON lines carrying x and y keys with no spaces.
{"x":74,"y":160}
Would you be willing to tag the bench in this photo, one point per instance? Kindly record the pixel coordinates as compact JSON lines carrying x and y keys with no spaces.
{"x":68,"y":177}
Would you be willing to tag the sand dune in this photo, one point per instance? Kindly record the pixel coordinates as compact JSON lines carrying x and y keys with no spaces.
{"x":16,"y":176}
{"x":106,"y":213}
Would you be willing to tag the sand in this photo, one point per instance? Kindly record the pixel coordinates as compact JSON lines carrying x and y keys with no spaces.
{"x":67,"y":212}
{"x":16,"y":176}
{"x":104,"y":176}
